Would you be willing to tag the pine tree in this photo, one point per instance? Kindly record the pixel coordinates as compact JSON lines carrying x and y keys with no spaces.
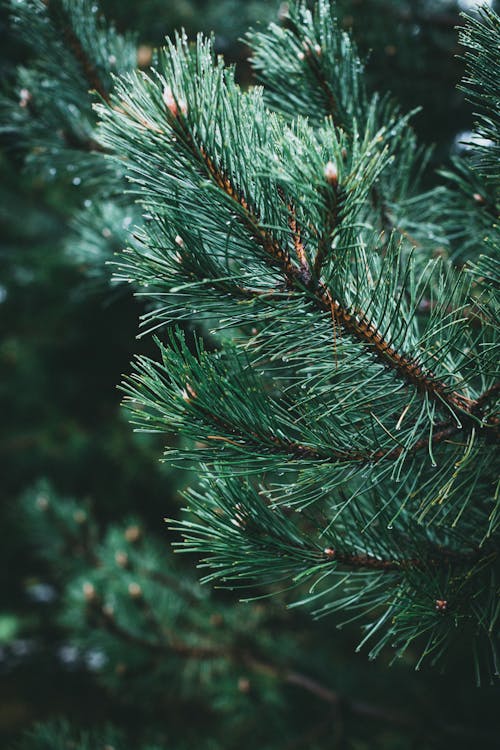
{"x":328,"y":352}
{"x":343,"y":410}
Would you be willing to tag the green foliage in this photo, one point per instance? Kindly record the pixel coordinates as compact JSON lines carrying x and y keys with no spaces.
{"x":331,"y":371}
{"x":75,"y":52}
{"x":481,"y":86}
{"x":381,"y":428}
{"x":216,"y":673}
{"x":60,"y":736}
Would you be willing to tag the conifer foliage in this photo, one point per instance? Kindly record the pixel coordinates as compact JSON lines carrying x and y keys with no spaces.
{"x":343,"y":409}
{"x":327,"y":329}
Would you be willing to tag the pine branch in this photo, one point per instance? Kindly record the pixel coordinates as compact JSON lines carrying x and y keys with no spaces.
{"x":60,"y":16}
{"x":354,"y":322}
{"x":443,"y":432}
{"x":278,"y":219}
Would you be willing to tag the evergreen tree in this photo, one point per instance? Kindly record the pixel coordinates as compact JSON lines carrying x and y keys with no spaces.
{"x":343,"y":410}
{"x":330,"y":366}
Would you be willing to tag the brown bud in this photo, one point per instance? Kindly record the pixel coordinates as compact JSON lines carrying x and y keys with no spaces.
{"x":144,"y":55}
{"x":329,"y":553}
{"x":172,"y":104}
{"x":42,"y":502}
{"x":24,"y":98}
{"x":121,"y":559}
{"x":132,"y":533}
{"x":188,"y":393}
{"x":89,"y":591}
{"x":441,"y":605}
{"x":134,"y":590}
{"x":244,"y":685}
{"x":331,"y":173}
{"x":478,"y":198}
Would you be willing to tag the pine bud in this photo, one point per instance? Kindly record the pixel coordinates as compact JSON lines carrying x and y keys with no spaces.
{"x":317,"y":49}
{"x":331,"y":173}
{"x":121,"y":559}
{"x":244,"y":685}
{"x":144,"y":55}
{"x":134,"y":590}
{"x":478,"y":198}
{"x":42,"y":502}
{"x":188,"y":393}
{"x":301,"y":56}
{"x":172,"y":105}
{"x":441,"y":605}
{"x":24,"y":98}
{"x":89,"y":591}
{"x":179,"y":241}
{"x":169,"y":100}
{"x":329,"y":553}
{"x":132,"y":533}
{"x":79,"y":516}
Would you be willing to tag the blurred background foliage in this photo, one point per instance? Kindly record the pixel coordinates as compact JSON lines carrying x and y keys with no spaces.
{"x":66,"y":339}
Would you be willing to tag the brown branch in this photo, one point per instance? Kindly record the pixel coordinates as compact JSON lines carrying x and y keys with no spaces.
{"x":242,"y":438}
{"x":88,"y":69}
{"x":353,"y":321}
{"x":439,"y":556}
{"x":238,"y":657}
{"x":312,"y":59}
{"x":106,"y":617}
{"x":299,"y":451}
{"x":324,"y":240}
{"x":491,"y":393}
{"x":350,"y":706}
{"x":359,"y":326}
{"x":276,"y":254}
{"x":298,"y":244}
